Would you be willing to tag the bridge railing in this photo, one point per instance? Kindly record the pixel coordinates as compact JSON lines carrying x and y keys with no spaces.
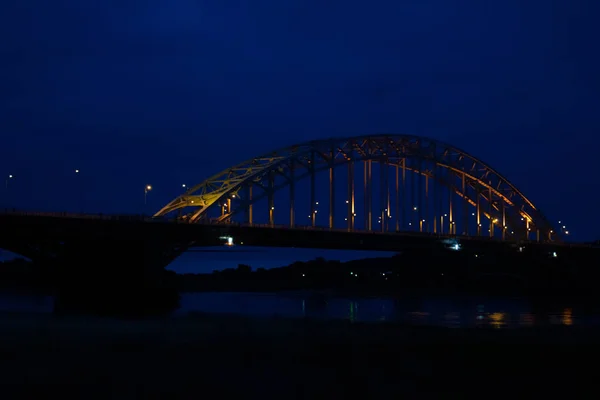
{"x":147,"y":218}
{"x":110,"y":217}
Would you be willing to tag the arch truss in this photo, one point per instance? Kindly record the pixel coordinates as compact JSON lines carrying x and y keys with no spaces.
{"x":489,"y":204}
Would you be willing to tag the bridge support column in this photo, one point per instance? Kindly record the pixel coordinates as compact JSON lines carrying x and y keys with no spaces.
{"x":420,"y":194}
{"x":403,"y":223}
{"x":331,"y":193}
{"x":114,"y":277}
{"x":350,"y":201}
{"x":250,"y":204}
{"x":313,"y":210}
{"x":490,"y":207}
{"x":465,"y":205}
{"x":451,"y":224}
{"x":271,"y":197}
{"x":292,"y":196}
{"x":382,"y":194}
{"x":503,"y":219}
{"x":389,"y":204}
{"x":368,"y":195}
{"x":229,"y":209}
{"x":437,"y":201}
{"x":427,"y":203}
{"x":397,"y":209}
{"x":478,"y":210}
{"x":414,"y":205}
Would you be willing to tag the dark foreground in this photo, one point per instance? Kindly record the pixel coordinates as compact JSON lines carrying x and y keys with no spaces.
{"x":223,"y":356}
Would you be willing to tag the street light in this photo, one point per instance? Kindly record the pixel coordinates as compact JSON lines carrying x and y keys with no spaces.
{"x":146,"y":190}
{"x":8,"y":178}
{"x":80,"y":189}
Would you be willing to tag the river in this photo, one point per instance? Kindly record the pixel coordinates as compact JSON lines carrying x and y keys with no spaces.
{"x":452,"y":312}
{"x":429,"y":310}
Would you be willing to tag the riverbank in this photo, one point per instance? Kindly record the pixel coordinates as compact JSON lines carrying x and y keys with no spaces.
{"x":223,"y":355}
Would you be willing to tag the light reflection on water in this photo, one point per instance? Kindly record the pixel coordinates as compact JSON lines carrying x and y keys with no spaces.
{"x":447,"y":312}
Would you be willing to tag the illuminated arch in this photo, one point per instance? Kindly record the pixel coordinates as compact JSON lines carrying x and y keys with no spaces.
{"x":393,"y":149}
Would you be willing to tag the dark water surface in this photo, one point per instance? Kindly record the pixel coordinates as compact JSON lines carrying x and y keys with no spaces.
{"x":438,"y":311}
{"x":449,"y":312}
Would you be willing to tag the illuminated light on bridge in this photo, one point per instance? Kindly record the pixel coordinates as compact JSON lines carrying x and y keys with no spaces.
{"x":442,"y":186}
{"x":8,"y":179}
{"x":228,"y":240}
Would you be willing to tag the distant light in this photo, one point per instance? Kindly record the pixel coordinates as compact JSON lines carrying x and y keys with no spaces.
{"x":183,"y":185}
{"x":233,"y":195}
{"x":272,"y":208}
{"x":76,"y":171}
{"x":148,"y":187}
{"x":10,"y":177}
{"x":415,"y":208}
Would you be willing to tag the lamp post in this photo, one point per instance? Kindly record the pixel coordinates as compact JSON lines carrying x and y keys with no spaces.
{"x":80,"y":189}
{"x":146,"y":190}
{"x":8,"y":179}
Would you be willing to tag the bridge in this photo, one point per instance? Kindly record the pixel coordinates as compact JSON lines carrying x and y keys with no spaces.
{"x":413,"y":192}
{"x":408,"y":184}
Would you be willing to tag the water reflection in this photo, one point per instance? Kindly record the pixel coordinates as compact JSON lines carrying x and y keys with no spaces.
{"x":567,"y":317}
{"x":527,"y":319}
{"x":497,"y":319}
{"x":496,"y":314}
{"x":449,"y":312}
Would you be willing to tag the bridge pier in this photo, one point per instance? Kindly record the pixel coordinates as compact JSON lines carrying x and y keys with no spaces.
{"x":114,"y":278}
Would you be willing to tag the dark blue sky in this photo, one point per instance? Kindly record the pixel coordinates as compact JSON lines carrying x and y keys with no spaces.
{"x":134,"y":92}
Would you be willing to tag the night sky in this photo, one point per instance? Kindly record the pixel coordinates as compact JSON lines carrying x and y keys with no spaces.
{"x":136,"y":92}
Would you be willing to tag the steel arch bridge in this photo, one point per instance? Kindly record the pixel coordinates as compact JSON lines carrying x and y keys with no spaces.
{"x":435,"y":188}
